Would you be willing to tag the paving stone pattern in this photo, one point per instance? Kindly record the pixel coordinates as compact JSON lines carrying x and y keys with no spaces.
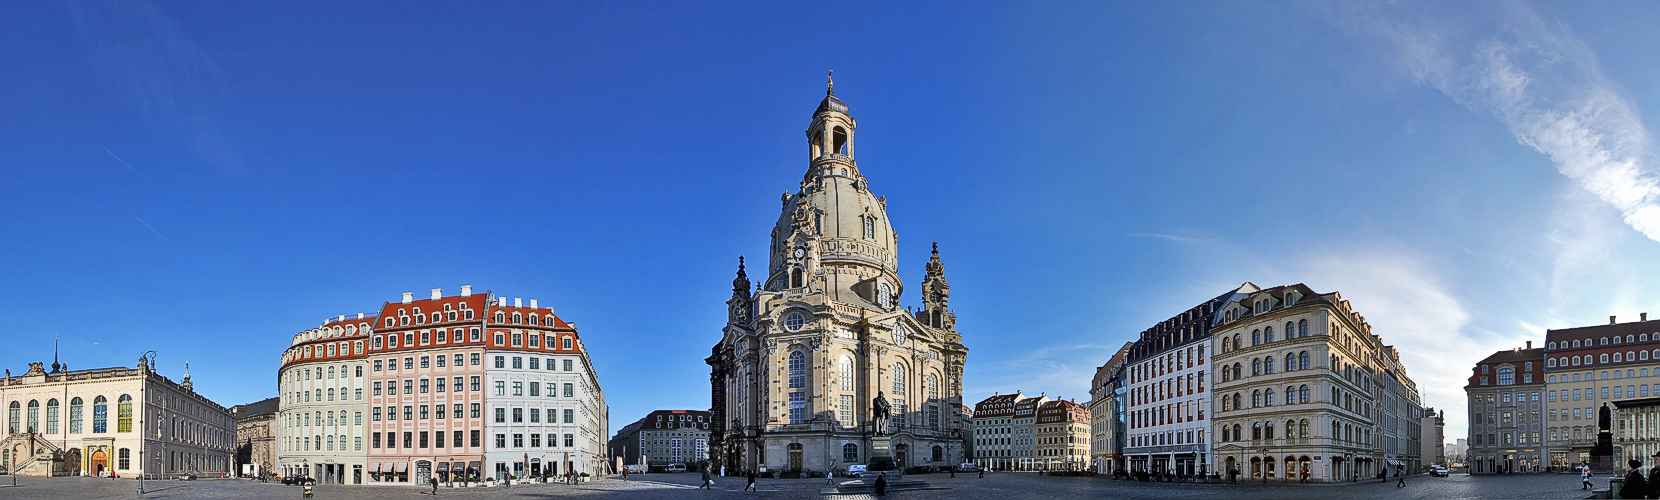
{"x":995,"y":486}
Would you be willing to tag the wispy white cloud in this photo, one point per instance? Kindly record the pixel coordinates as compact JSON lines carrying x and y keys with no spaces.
{"x":1548,"y":88}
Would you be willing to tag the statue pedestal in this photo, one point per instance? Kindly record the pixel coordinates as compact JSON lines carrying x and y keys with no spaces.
{"x":1602,"y":455}
{"x":881,"y":455}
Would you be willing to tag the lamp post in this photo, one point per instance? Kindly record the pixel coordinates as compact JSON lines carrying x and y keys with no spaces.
{"x":1265,"y":466}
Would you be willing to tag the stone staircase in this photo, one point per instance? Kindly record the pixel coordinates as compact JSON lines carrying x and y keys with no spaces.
{"x":867,"y":486}
{"x":40,"y":460}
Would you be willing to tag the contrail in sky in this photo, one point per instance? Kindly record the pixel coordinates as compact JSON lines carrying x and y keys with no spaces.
{"x":134,"y":170}
{"x":153,"y":230}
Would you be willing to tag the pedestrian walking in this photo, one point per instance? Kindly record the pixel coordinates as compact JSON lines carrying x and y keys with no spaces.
{"x":1400,"y":479}
{"x":882,"y":484}
{"x":953,"y":472}
{"x":707,"y":482}
{"x":751,"y":485}
{"x":1635,"y":486}
{"x":434,"y":482}
{"x":982,"y":473}
{"x":625,"y":474}
{"x":1585,"y":478}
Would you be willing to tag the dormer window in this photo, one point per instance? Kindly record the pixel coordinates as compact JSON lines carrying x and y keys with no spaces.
{"x":1551,"y":345}
{"x":1576,"y":343}
{"x":1605,"y":341}
{"x":1616,"y":340}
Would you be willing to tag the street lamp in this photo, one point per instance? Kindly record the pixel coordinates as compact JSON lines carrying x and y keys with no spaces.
{"x":1265,"y":458}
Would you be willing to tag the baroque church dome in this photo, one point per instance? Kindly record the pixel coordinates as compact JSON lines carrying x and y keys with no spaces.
{"x":833,"y":234}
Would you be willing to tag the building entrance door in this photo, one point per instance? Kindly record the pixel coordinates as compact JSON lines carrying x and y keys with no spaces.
{"x":899,"y":453}
{"x":423,"y":472}
{"x":99,"y":463}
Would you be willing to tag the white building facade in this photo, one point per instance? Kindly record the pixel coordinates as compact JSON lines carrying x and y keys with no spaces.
{"x":322,"y":389}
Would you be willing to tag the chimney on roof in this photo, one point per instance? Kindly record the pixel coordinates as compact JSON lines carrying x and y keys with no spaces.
{"x":1529,"y":344}
{"x":1610,"y":319}
{"x":466,"y":290}
{"x":437,"y":293}
{"x":1642,"y":316}
{"x":341,"y":318}
{"x":359,"y":315}
{"x":501,"y":301}
{"x":532,"y":303}
{"x":408,"y":297}
{"x":517,"y":302}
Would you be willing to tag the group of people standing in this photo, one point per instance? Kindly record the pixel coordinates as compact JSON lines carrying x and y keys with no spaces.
{"x":1636,"y":486}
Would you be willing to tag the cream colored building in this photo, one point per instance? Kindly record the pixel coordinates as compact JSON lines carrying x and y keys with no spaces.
{"x":1063,"y":434}
{"x":1106,"y":413}
{"x":803,"y":357}
{"x":1584,"y":368}
{"x":322,"y":388}
{"x":120,"y":421}
{"x":1295,"y":387}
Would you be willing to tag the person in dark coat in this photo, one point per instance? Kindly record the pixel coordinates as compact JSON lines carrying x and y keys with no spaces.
{"x":882,"y":484}
{"x":1635,"y":486}
{"x":751,"y":485}
{"x":1654,"y":478}
{"x":707,"y":482}
{"x":434,"y":482}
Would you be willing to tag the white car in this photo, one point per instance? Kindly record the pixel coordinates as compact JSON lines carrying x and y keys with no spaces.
{"x":855,"y":471}
{"x":677,"y":467}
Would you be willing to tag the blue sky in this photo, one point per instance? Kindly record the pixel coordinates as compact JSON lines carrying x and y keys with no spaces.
{"x":206,"y":180}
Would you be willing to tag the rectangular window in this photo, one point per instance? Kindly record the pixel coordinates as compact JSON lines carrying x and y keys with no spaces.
{"x":535,"y":440}
{"x":374,"y":441}
{"x":458,"y":361}
{"x":570,"y":440}
{"x":440,"y":359}
{"x":409,"y":363}
{"x":458,"y":410}
{"x":501,"y":388}
{"x":570,"y":416}
{"x":567,"y":362}
{"x":458,"y":439}
{"x":377,"y":388}
{"x":374,"y":414}
{"x":501,"y":415}
{"x":473,"y":383}
{"x":518,"y":439}
{"x":391,"y":413}
{"x":440,"y":383}
{"x":357,"y":418}
{"x":377,"y":368}
{"x":473,"y":438}
{"x":408,"y":439}
{"x":501,"y":441}
{"x":518,"y":415}
{"x":534,"y":386}
{"x":424,"y":413}
{"x":844,"y":412}
{"x":798,"y":407}
{"x":357,"y":394}
{"x":426,"y":361}
{"x":425,"y":386}
{"x":518,"y":362}
{"x":501,"y":361}
{"x":438,"y":436}
{"x":535,"y":363}
{"x":474,"y":358}
{"x":474,"y":410}
{"x":1605,"y":393}
{"x":518,"y":388}
{"x":553,"y":441}
{"x":569,"y":390}
{"x":535,"y":341}
{"x":535,"y":414}
{"x":424,"y":442}
{"x":408,"y":412}
{"x":551,"y":368}
{"x":409,"y":386}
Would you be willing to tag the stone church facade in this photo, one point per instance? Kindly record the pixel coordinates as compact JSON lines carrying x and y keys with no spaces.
{"x":805,"y":352}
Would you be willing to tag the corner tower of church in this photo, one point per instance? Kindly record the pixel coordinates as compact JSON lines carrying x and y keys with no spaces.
{"x":805,"y":354}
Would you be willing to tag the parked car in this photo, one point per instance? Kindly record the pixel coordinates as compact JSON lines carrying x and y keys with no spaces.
{"x":1438,"y":471}
{"x":677,"y":467}
{"x":968,"y":468}
{"x":855,"y":471}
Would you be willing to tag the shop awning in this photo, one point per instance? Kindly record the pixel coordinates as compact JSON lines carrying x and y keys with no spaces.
{"x":458,"y":467}
{"x":374,"y":467}
{"x":1290,"y":458}
{"x":402,"y":467}
{"x":1336,"y":459}
{"x":473,"y":465}
{"x":1391,"y":461}
{"x":1256,"y":459}
{"x":1305,"y":458}
{"x":443,"y":466}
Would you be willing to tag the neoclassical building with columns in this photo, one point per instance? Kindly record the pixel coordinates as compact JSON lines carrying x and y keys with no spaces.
{"x":805,"y":353}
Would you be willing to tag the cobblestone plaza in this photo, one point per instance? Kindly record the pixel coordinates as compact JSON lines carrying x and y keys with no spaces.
{"x":1000,"y":486}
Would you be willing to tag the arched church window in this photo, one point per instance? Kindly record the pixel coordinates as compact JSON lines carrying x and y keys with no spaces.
{"x":796,"y":278}
{"x":798,"y":369}
{"x":898,"y":379}
{"x":845,"y":371}
{"x":870,"y":227}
